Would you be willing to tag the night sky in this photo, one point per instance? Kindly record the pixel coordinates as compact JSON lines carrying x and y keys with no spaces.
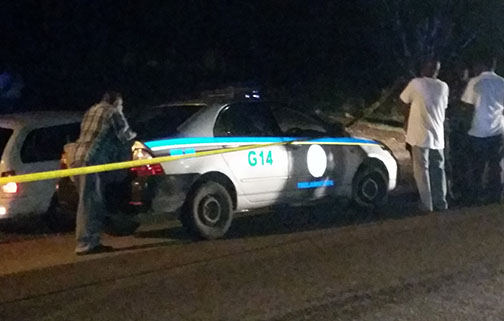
{"x":68,"y":52}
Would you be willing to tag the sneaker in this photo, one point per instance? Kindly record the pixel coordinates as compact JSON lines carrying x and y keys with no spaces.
{"x":100,"y":248}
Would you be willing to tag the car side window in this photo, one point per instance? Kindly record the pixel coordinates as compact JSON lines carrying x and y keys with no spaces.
{"x":294,"y":123}
{"x":247,"y":119}
{"x":46,"y":144}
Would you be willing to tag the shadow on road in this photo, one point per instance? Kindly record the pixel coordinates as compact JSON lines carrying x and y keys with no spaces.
{"x":149,"y":246}
{"x":34,"y":225}
{"x":277,"y":221}
{"x":284,"y":220}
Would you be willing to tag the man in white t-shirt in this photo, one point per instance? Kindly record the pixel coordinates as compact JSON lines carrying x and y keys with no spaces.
{"x":486,"y":93}
{"x":427,"y":99}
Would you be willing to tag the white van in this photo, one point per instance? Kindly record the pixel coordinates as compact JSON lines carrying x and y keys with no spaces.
{"x":33,"y":142}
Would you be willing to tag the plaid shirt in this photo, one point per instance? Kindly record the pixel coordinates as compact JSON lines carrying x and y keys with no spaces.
{"x":103,"y":136}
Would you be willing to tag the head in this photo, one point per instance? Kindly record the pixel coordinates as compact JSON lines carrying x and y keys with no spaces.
{"x":484,"y":63}
{"x":430,"y":68}
{"x":113,"y":98}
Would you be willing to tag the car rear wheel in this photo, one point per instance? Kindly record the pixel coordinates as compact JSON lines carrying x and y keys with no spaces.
{"x":369,"y":188}
{"x":208,"y":211}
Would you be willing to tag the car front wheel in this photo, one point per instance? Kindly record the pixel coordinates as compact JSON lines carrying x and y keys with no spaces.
{"x":370,"y":188}
{"x":208,"y":211}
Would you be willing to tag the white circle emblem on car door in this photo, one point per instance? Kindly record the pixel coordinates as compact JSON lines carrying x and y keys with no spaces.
{"x":317,"y":160}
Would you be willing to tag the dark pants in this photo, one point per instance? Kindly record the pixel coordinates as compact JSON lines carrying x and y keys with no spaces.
{"x":486,"y":153}
{"x":458,"y":165}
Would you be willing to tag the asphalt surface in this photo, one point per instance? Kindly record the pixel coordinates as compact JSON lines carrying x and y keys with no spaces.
{"x":307,"y":266}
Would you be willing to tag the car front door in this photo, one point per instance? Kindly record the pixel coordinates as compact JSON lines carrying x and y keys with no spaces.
{"x":261,"y":172}
{"x":315,"y":164}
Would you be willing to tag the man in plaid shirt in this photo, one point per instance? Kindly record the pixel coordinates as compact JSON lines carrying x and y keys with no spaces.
{"x":104,"y":133}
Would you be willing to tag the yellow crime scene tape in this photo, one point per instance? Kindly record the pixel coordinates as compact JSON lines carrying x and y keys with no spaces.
{"x":60,"y":173}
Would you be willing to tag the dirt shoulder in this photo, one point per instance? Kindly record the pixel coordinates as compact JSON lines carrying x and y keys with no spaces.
{"x":394,"y":138}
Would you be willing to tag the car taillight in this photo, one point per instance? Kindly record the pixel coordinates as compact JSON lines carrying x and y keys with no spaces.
{"x":10,"y":188}
{"x":146,"y":170}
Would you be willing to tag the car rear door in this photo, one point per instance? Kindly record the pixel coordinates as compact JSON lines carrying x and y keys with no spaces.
{"x":260,"y":172}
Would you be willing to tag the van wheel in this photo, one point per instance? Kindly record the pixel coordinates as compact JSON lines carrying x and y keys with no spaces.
{"x":58,"y":218}
{"x":369,"y":190}
{"x":208,"y":211}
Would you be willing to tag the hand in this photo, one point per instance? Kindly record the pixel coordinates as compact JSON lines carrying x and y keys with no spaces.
{"x":132,"y":135}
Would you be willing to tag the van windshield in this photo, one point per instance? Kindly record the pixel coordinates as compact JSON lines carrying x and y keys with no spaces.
{"x":5,"y":134}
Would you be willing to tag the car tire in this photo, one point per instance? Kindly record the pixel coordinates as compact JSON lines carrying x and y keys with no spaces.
{"x":208,"y":211}
{"x":59,"y":218}
{"x":369,"y":188}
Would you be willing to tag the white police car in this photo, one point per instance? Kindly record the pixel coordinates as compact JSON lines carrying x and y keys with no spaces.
{"x":317,"y":161}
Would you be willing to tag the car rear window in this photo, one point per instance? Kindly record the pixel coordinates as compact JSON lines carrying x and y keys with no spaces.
{"x":46,"y":144}
{"x":5,"y":135}
{"x":161,"y":122}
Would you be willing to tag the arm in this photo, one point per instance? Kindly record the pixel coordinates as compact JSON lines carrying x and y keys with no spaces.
{"x":469,"y":97}
{"x":405,"y":100}
{"x":405,"y":110}
{"x":121,"y":127}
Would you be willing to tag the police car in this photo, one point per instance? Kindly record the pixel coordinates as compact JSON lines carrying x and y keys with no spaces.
{"x":308,"y":161}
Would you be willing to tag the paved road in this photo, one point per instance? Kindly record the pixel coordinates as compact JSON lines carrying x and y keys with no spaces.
{"x":305,"y":267}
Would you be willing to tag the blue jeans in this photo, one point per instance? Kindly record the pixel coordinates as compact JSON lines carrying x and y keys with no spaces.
{"x":430,"y":177}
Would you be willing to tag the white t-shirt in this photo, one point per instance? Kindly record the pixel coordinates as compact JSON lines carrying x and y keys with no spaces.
{"x":429,"y":99}
{"x":486,"y":93}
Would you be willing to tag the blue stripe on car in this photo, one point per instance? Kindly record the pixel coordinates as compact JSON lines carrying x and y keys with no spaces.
{"x":315,"y":184}
{"x":166,"y":143}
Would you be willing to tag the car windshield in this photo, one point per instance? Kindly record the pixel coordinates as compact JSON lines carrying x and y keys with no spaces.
{"x":295,"y":123}
{"x":5,"y":134}
{"x":160,"y":122}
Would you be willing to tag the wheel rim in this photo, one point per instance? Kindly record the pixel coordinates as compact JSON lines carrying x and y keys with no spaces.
{"x":370,"y":188}
{"x":210,"y":210}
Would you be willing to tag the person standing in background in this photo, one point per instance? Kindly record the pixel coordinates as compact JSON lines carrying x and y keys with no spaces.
{"x":485,"y":93}
{"x":425,"y":100}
